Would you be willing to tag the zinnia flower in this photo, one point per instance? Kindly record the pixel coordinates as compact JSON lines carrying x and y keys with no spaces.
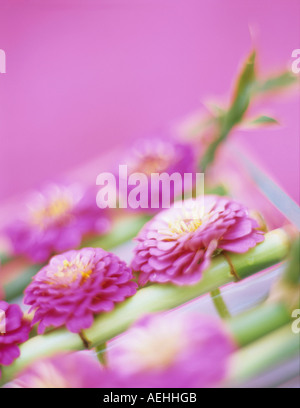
{"x":14,"y":330}
{"x":75,"y":286}
{"x":74,"y":370}
{"x":56,"y":220}
{"x":172,"y":351}
{"x":177,"y":244}
{"x":159,"y":156}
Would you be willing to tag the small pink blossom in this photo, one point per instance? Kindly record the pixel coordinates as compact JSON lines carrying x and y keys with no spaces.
{"x":178,"y":243}
{"x":56,"y":220}
{"x":158,"y":155}
{"x":171,"y":351}
{"x":74,"y":370}
{"x":14,"y":330}
{"x":77,"y":285}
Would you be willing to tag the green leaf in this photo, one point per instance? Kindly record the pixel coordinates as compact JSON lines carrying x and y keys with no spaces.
{"x":262,"y":120}
{"x":276,"y":83}
{"x":246,"y":87}
{"x":214,"y":108}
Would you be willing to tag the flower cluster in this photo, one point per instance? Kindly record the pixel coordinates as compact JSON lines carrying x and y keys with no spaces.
{"x":177,"y":244}
{"x":75,"y":286}
{"x":56,"y":220}
{"x":176,"y":349}
{"x":159,"y":351}
{"x":14,"y":330}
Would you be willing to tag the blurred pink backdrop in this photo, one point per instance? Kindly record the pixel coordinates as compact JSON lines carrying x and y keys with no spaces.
{"x":86,"y":75}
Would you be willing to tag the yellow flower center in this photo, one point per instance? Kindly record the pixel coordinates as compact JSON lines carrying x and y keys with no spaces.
{"x":185,"y":220}
{"x":70,"y":272}
{"x":55,"y":211}
{"x":184,"y":226}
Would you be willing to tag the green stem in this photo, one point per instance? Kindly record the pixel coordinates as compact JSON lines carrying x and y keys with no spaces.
{"x":220,"y":304}
{"x":85,"y":341}
{"x":251,"y":325}
{"x":160,"y":298}
{"x":123,"y":230}
{"x":292,"y":273}
{"x":101,"y":354}
{"x":5,"y":258}
{"x":264,"y":354}
{"x":15,"y":288}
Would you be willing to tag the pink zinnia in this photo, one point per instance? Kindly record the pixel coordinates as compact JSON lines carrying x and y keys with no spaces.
{"x":172,"y":351}
{"x":74,"y":370}
{"x":177,"y":244}
{"x":14,"y":330}
{"x":77,"y":285}
{"x":56,"y":220}
{"x":157,"y":155}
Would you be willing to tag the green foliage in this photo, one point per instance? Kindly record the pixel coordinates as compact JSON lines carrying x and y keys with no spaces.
{"x":263,"y":120}
{"x":292,"y":273}
{"x":275,"y":83}
{"x":247,"y":87}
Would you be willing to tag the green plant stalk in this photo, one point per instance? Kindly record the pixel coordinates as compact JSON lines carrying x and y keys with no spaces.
{"x":156,"y":298}
{"x":101,"y":354}
{"x":122,"y":231}
{"x":5,"y":258}
{"x":16,"y":287}
{"x":220,"y":304}
{"x":292,"y":273}
{"x":264,"y":354}
{"x":251,"y":325}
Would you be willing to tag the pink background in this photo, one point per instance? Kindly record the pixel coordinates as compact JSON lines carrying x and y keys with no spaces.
{"x":86,"y":75}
